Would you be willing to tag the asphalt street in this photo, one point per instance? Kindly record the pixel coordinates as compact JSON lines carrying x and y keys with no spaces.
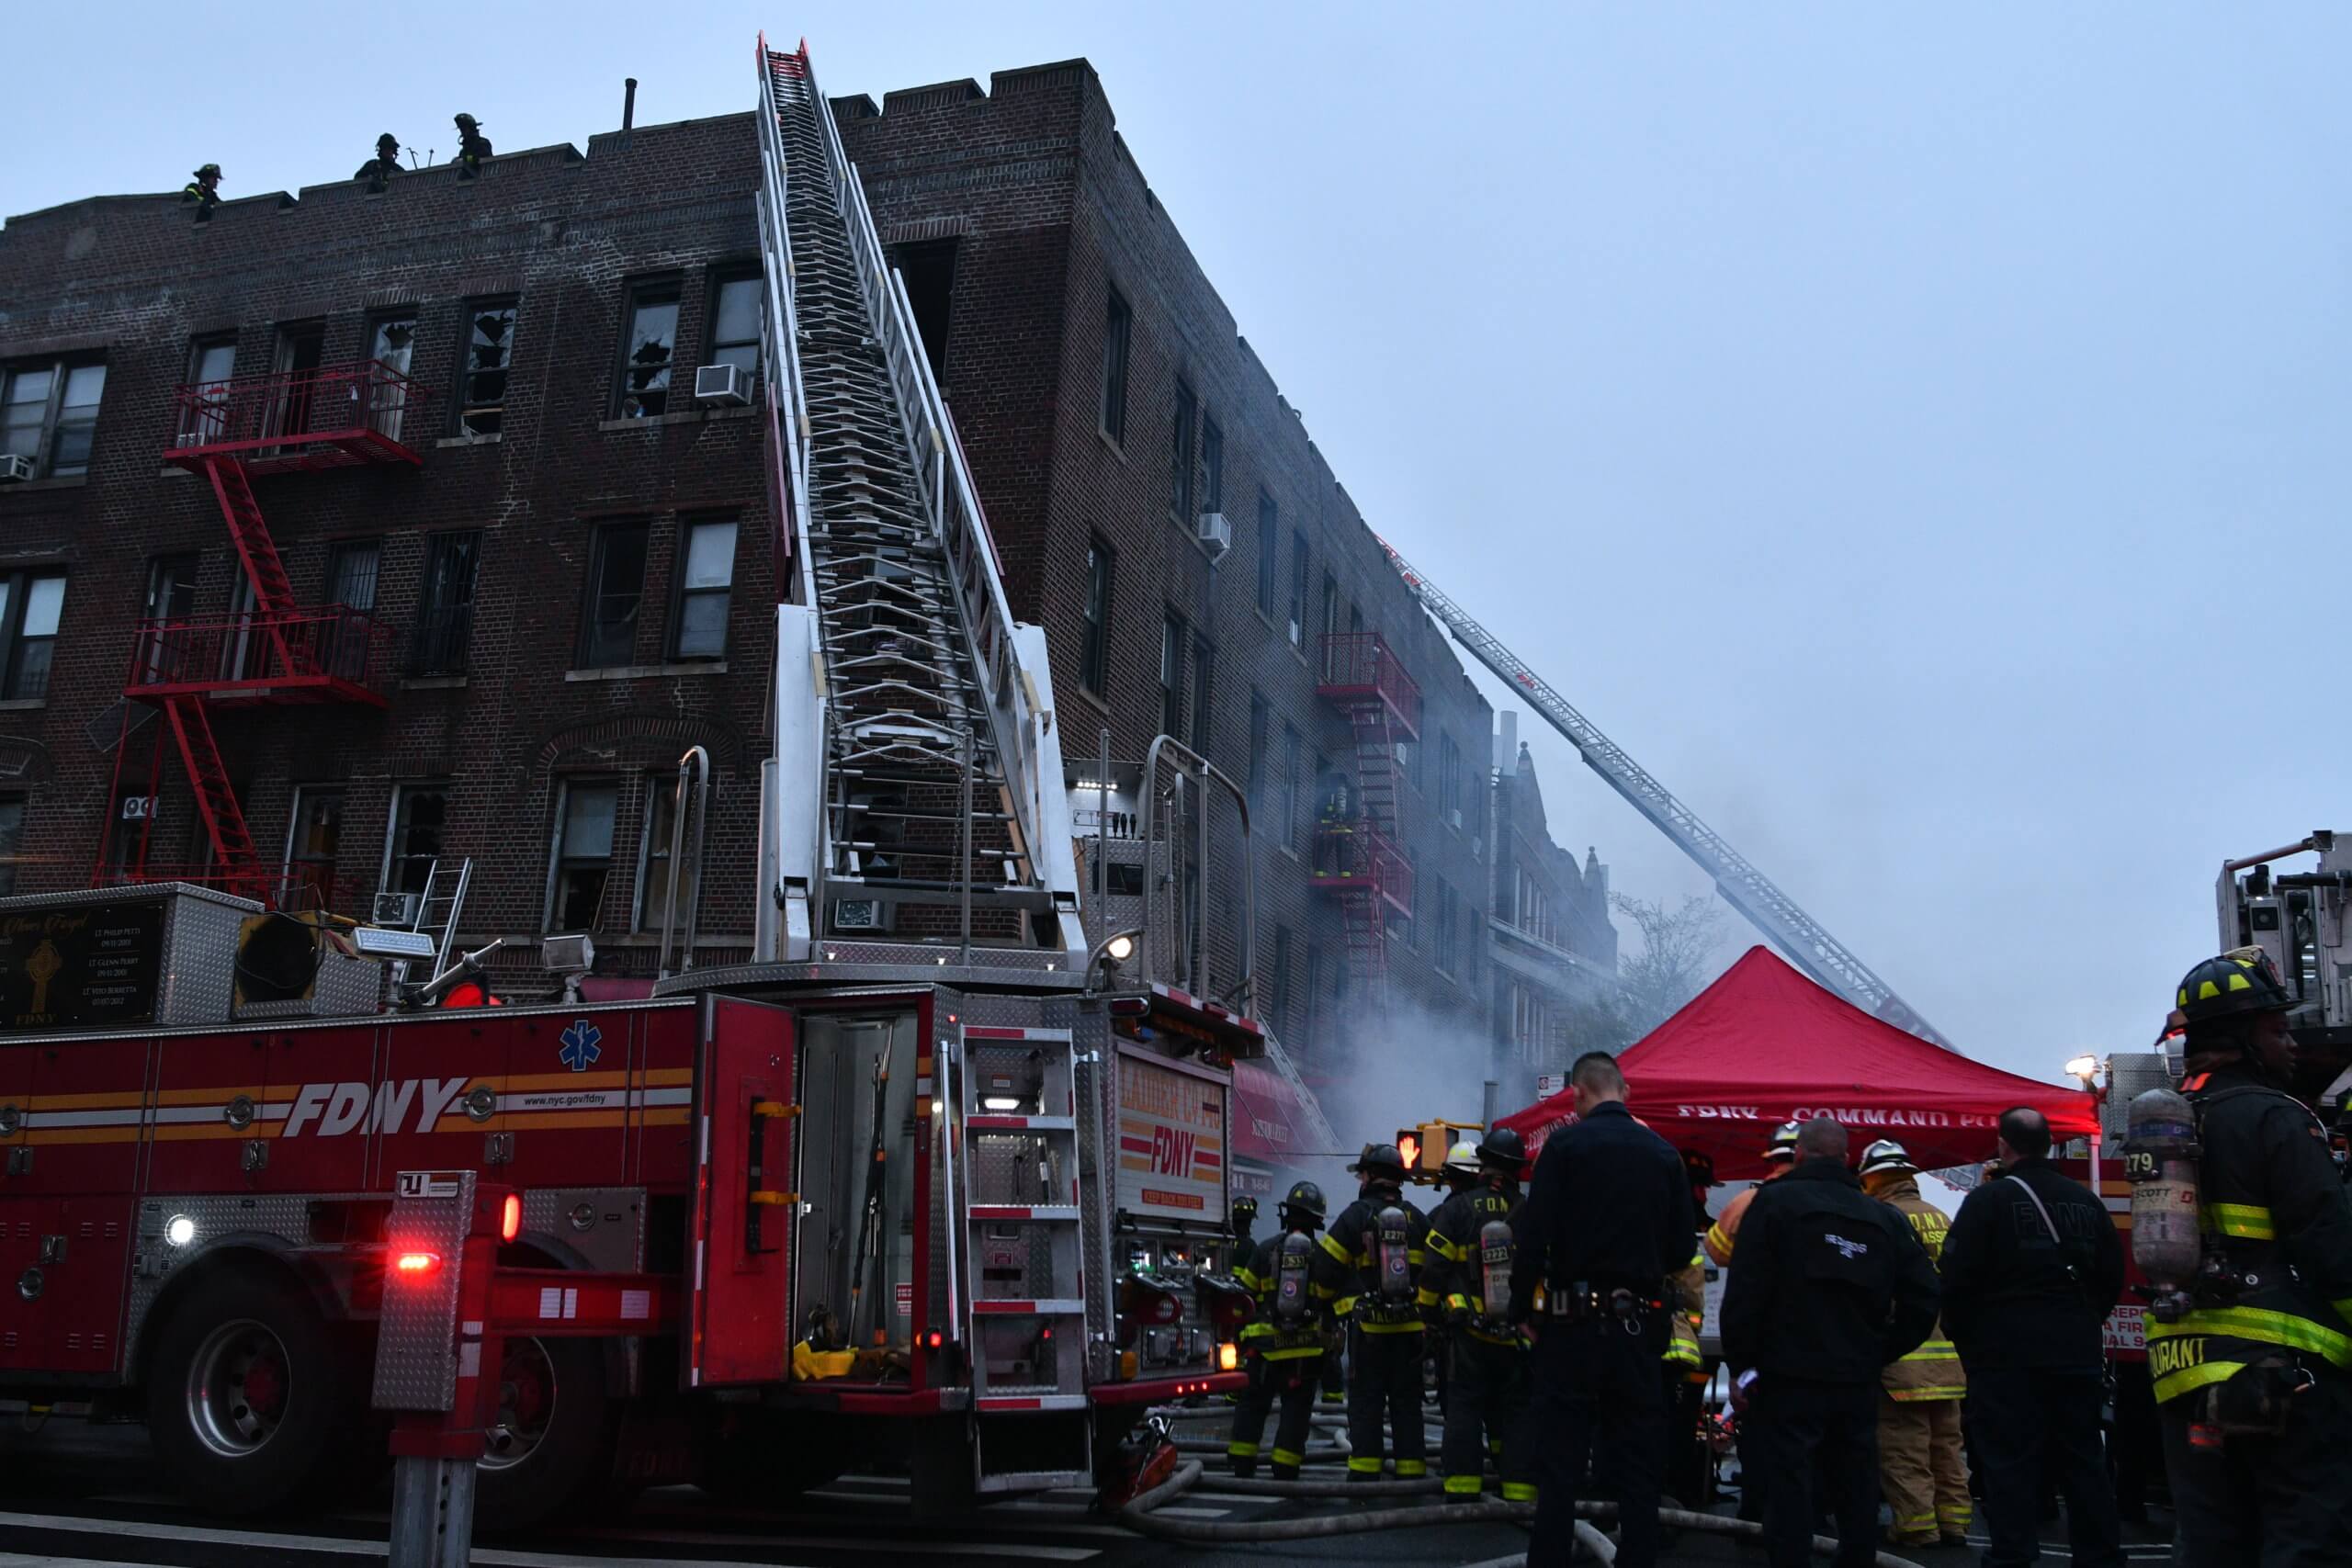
{"x":73,"y":1496}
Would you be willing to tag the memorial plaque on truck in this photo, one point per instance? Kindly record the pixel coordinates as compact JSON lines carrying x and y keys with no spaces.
{"x":1171,"y":1141}
{"x":89,"y":967}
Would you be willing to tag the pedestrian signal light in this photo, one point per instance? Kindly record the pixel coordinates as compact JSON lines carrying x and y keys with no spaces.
{"x":1409,"y":1143}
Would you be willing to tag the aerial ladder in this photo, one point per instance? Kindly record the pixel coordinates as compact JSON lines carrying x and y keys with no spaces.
{"x":1807,"y":941}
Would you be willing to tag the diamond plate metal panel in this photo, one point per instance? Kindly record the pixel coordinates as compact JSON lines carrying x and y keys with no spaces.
{"x":417,"y":1341}
{"x":613,"y":1239}
{"x":154,"y":1263}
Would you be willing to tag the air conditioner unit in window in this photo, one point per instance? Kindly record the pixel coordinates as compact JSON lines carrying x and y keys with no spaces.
{"x":396,"y":909}
{"x":1216,"y":532}
{"x":722,"y":384}
{"x":14,"y":468}
{"x":861,"y":915}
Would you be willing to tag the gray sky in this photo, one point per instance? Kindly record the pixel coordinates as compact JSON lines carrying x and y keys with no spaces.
{"x":1918,"y":438}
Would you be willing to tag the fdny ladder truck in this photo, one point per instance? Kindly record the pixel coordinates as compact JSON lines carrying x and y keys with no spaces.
{"x":1807,"y":941}
{"x":938,"y":1181}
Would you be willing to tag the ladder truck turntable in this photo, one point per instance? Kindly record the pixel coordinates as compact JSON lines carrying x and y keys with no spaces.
{"x":939,"y":1180}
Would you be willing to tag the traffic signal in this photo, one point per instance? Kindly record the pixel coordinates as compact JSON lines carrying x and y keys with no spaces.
{"x":1409,"y":1143}
{"x":1425,"y":1146}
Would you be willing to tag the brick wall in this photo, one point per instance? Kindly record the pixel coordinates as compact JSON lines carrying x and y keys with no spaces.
{"x":1049,"y":214}
{"x":1555,"y":949}
{"x":135,"y":279}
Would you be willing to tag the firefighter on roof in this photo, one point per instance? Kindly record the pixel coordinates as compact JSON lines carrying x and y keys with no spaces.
{"x":379,"y":170}
{"x":1372,"y":1259}
{"x":2254,"y":1381}
{"x":1471,"y":1248}
{"x":1284,"y":1342}
{"x":1922,"y":1468}
{"x":473,"y":147}
{"x":203,"y":188}
{"x":1780,"y":1154}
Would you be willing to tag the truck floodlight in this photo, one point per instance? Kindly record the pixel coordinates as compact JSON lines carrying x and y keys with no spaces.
{"x":2085,"y":1067}
{"x":1120,"y":948}
{"x":380,"y":942}
{"x":1000,"y":1102}
{"x":179,"y":1230}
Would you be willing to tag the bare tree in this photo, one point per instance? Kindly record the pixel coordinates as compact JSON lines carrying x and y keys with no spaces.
{"x":1676,"y":958}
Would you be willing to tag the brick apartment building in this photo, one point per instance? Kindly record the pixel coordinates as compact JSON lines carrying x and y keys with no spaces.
{"x":540,"y":574}
{"x":1107,"y":402}
{"x":1553,"y":946}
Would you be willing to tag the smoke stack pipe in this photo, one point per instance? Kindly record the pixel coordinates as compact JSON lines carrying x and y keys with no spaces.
{"x":628,"y":105}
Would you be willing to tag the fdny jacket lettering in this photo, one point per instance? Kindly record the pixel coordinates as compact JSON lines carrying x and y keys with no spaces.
{"x":331,"y":1110}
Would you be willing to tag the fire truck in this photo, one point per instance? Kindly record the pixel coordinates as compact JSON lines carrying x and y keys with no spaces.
{"x":938,"y":1181}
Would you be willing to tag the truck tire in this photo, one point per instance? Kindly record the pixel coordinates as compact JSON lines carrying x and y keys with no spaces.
{"x":551,"y":1449}
{"x":248,"y":1394}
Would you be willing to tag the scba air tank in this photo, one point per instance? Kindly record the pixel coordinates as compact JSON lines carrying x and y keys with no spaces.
{"x":2160,"y":1156}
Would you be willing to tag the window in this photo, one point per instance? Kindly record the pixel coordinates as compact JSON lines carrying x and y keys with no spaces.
{"x":31,"y":606}
{"x":481,"y":379}
{"x":650,"y":345}
{"x":1278,"y":983}
{"x":1117,"y":322}
{"x":616,"y":593}
{"x":12,"y":840}
{"x":1407,"y":927}
{"x":705,"y":582}
{"x":1212,"y":467}
{"x":1449,"y":780}
{"x":49,"y":414}
{"x":312,"y":839}
{"x":1442,"y":952}
{"x":1330,"y":607}
{"x":352,"y":571}
{"x":1179,"y":461}
{"x":928,"y":269}
{"x":210,"y":362}
{"x":735,"y":326}
{"x":444,"y":609}
{"x":1298,"y":589}
{"x":1308,"y":1027}
{"x":1270,"y":533}
{"x":1203,"y":657}
{"x":1290,"y":788}
{"x":392,"y":342}
{"x":1261,"y":718}
{"x":1171,"y":675}
{"x":171,"y":587}
{"x":653,"y":861}
{"x":1094,"y":652}
{"x":420,"y":814}
{"x":583,"y":853}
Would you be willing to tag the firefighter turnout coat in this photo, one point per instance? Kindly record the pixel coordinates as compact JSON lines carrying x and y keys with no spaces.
{"x":1933,"y":1370}
{"x":2274,"y":1211}
{"x":1354,"y":1268}
{"x":1474,"y":1288}
{"x":1268,"y":1334}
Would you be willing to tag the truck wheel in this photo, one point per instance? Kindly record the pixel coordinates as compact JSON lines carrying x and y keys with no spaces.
{"x":247,"y":1396}
{"x":552,"y":1441}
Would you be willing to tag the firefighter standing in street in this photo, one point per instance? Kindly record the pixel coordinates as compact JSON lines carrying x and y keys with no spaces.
{"x":1830,"y":1288}
{"x":1921,"y":1467}
{"x":1606,"y":1222}
{"x":1471,"y":1241}
{"x":2253,"y":1383}
{"x":1373,"y":1257}
{"x":1779,"y":1155}
{"x":1283,"y":1344}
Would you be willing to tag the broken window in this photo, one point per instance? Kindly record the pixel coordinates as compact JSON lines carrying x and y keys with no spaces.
{"x":1117,"y":322}
{"x":583,"y":854}
{"x":489,"y":353}
{"x":647,"y":352}
{"x":616,"y":593}
{"x":445,"y":611}
{"x":928,"y":269}
{"x":420,"y":813}
{"x":313,"y":841}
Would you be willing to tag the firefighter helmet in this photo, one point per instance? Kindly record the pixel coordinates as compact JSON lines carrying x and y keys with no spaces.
{"x":1884,"y":1157}
{"x":1502,"y":1148}
{"x":2238,"y":982}
{"x":1463,"y":1160}
{"x":211,"y":170}
{"x":1305,"y":1198}
{"x":1784,"y":1143}
{"x":1380,"y":1162}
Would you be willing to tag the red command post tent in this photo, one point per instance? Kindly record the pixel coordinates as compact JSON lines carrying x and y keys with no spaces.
{"x":1764,"y":1045}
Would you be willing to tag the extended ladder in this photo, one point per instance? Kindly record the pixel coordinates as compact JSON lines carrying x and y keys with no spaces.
{"x":1807,"y":941}
{"x":436,"y":914}
{"x":939,"y":810}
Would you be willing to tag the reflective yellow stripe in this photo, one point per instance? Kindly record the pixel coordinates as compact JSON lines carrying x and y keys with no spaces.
{"x":1335,"y":1247}
{"x":1343,"y":1305}
{"x":1464,"y":1486}
{"x":1364,"y":1464}
{"x":1416,"y":1257}
{"x":1925,"y":1395}
{"x":1295,"y":1353}
{"x":2172,"y":1385}
{"x":1241,"y":1450}
{"x":1411,"y":1468}
{"x":2248,"y":1222}
{"x":1284,"y":1456}
{"x":1698,"y":1260}
{"x":1687,"y":1355}
{"x":1447,"y":1250}
{"x":1251,"y":1279}
{"x":2262,"y":1325}
{"x":1425,"y":1297}
{"x":1323,"y":1293}
{"x":1254,"y":1330}
{"x":1458,"y":1302}
{"x":1931,"y":1352}
{"x":1718,"y":1243}
{"x":1519,"y":1492}
{"x":1412,"y":1327}
{"x":2343,"y":1308}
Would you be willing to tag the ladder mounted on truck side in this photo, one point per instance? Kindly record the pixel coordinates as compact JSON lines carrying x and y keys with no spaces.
{"x":918,"y":790}
{"x":1807,"y":941}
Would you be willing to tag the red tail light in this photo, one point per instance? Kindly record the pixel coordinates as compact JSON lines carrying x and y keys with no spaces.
{"x":415,"y":1265}
{"x":510,"y":1220}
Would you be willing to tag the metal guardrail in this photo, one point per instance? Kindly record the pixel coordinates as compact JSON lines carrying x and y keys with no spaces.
{"x":367,"y":401}
{"x":1360,"y":662}
{"x":255,"y":648}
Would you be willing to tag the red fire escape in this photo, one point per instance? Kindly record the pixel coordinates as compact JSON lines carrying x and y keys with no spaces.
{"x":276,"y":652}
{"x":1356,"y":853}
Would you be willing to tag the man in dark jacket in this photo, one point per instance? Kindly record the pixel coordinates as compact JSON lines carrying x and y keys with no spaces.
{"x":1607,"y":1220}
{"x":1828,"y":1287}
{"x":2032,"y":1268}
